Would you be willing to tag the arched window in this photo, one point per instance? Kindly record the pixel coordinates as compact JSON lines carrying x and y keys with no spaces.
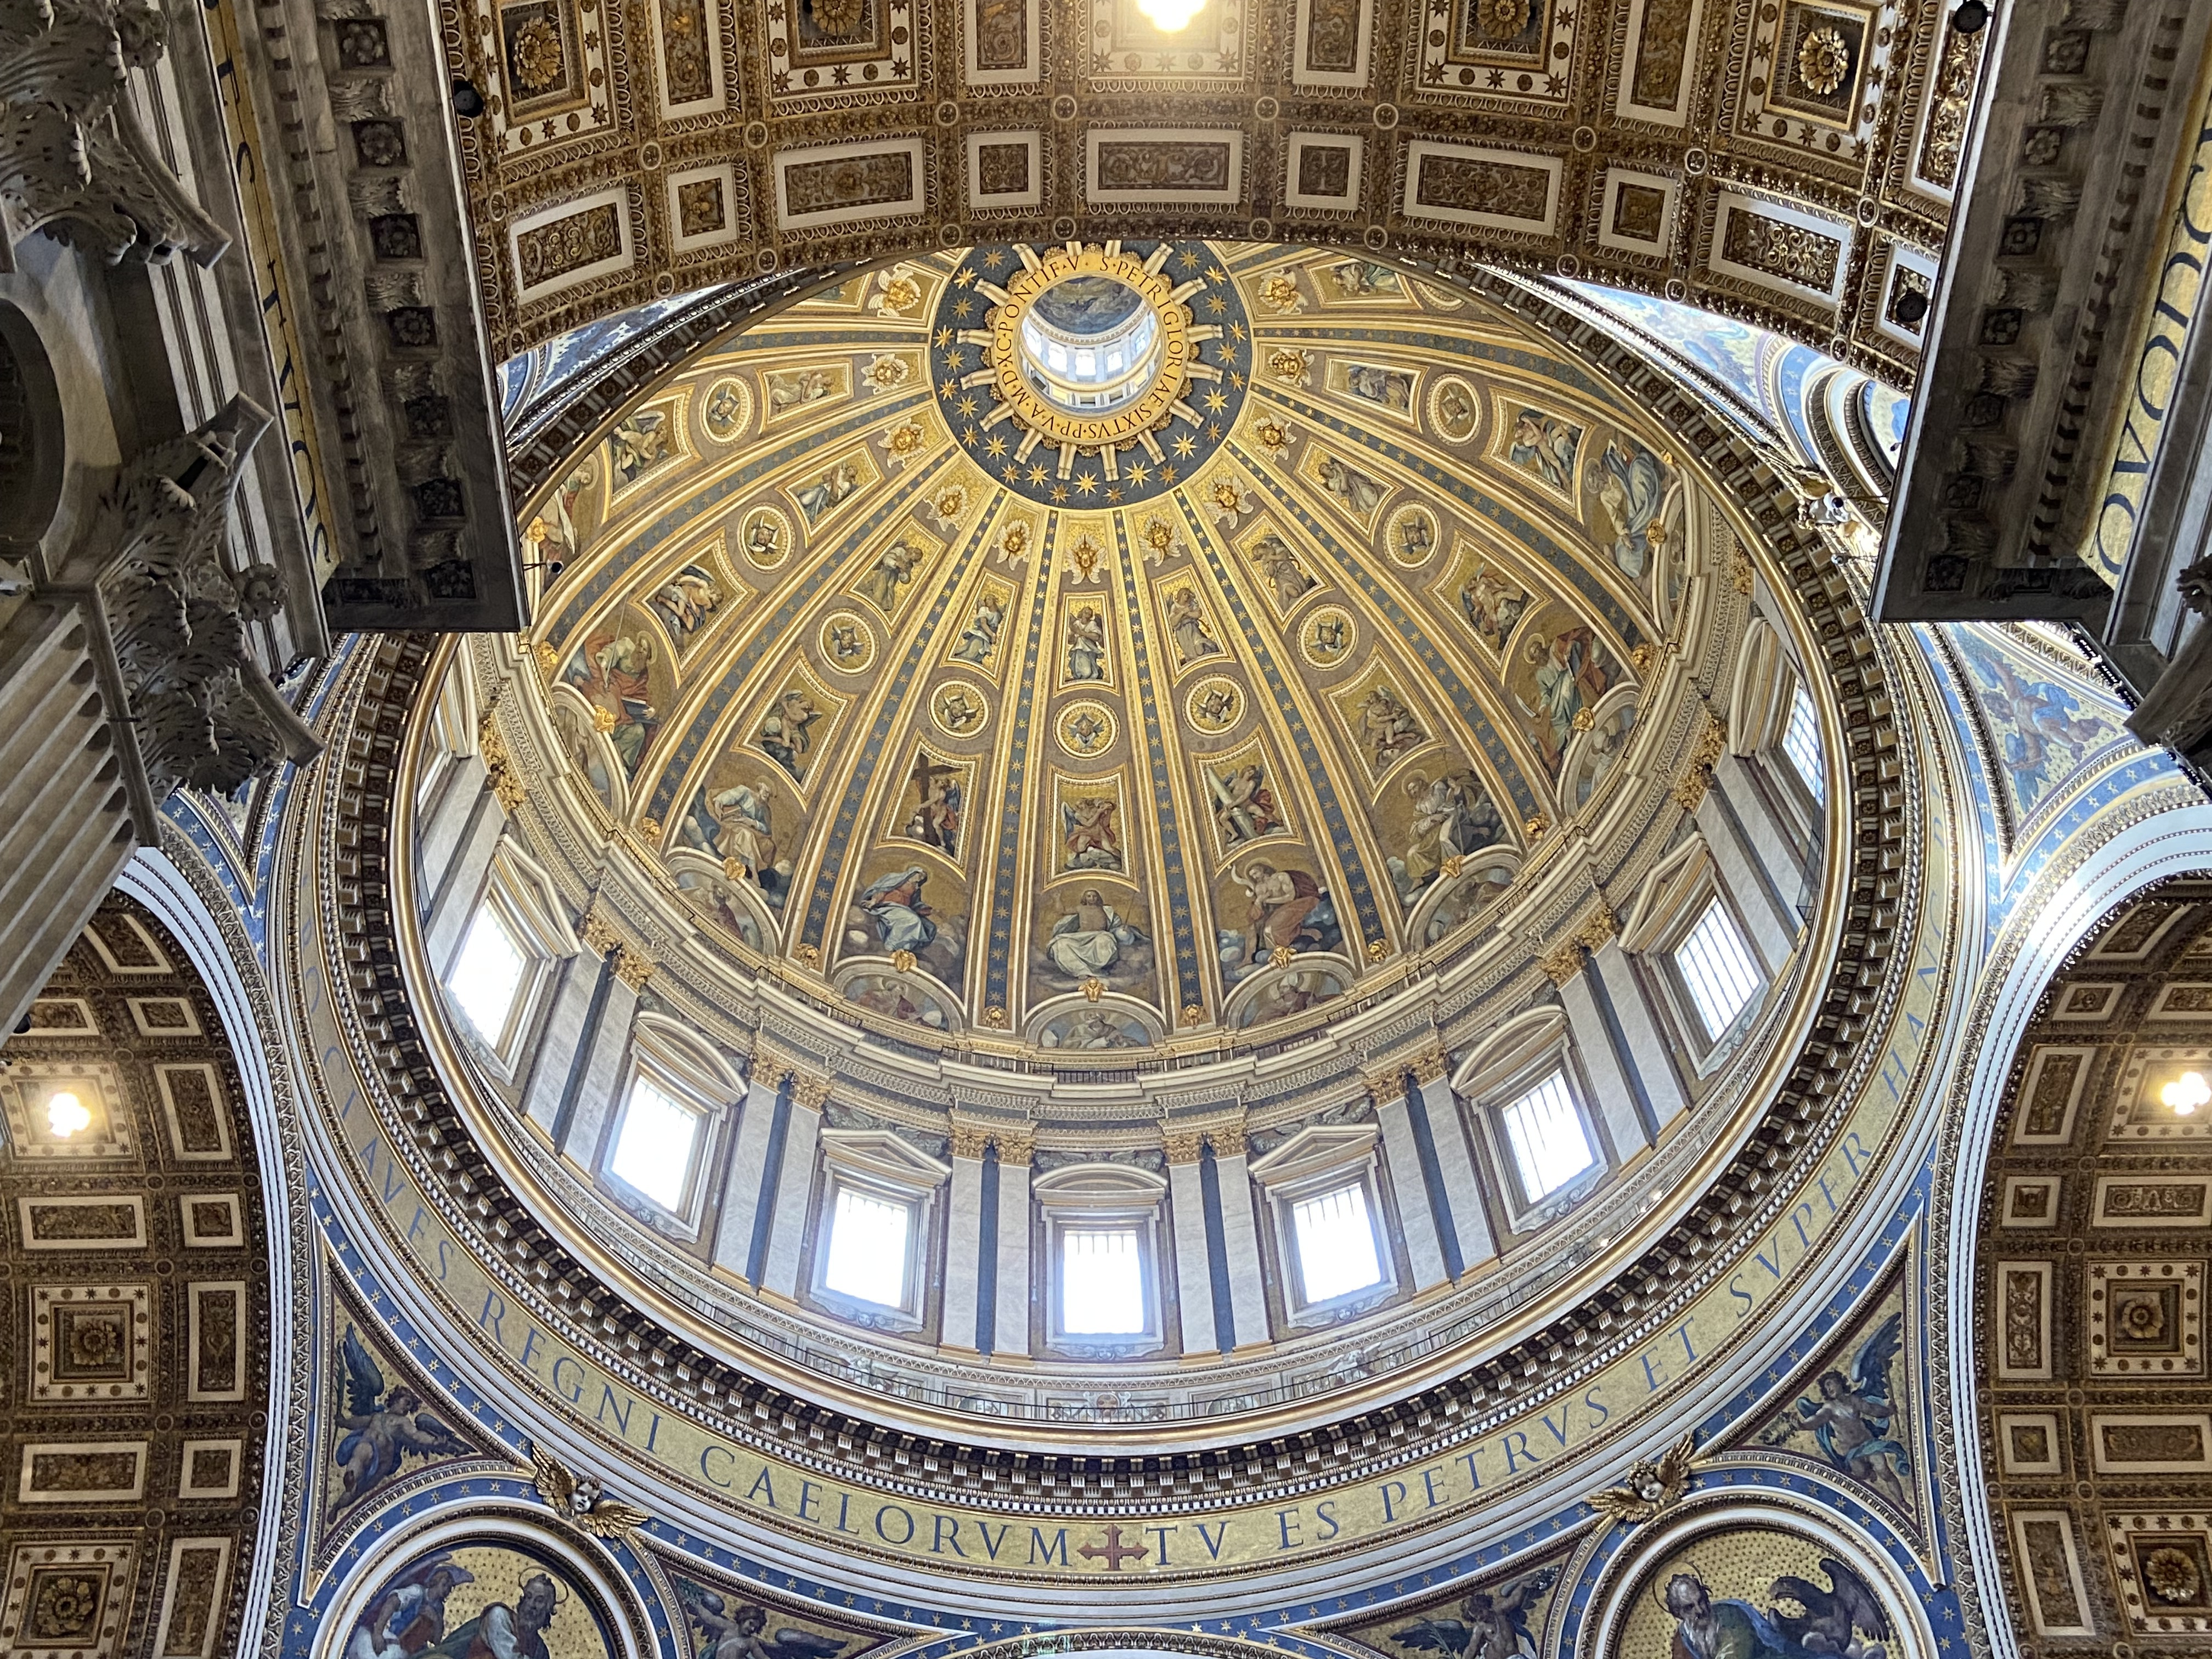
{"x":1695,"y":956}
{"x":1532,"y":1109}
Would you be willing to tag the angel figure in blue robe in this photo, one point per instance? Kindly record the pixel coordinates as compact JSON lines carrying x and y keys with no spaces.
{"x":383,"y":1428}
{"x":1492,"y":1623}
{"x":1850,"y":1417}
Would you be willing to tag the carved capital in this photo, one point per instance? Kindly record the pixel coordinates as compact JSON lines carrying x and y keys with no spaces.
{"x":600,"y":935}
{"x":1227,"y":1139}
{"x":1015,"y":1146}
{"x":971,"y":1140}
{"x":632,"y":967}
{"x":1705,"y":755}
{"x":1184,"y":1146}
{"x":74,"y":159}
{"x":809,"y":1091}
{"x":1428,"y":1066}
{"x":1385,"y":1084}
{"x":1563,"y":962}
{"x":202,"y":713}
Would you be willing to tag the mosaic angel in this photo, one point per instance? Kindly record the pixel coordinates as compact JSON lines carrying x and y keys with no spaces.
{"x":833,"y":488}
{"x":1085,"y":646}
{"x":1494,"y":606}
{"x":687,"y":601}
{"x":786,"y":732}
{"x":1090,"y":837}
{"x":886,"y":579}
{"x":1387,"y":727}
{"x":1849,"y":1417}
{"x":1492,"y":1623}
{"x":729,"y":1629}
{"x":1278,"y":562}
{"x":979,"y":641}
{"x":1359,"y":492}
{"x":383,"y":1427}
{"x":1187,"y":627}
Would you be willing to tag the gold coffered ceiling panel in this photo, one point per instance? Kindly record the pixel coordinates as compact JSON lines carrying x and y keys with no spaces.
{"x":1790,"y":162}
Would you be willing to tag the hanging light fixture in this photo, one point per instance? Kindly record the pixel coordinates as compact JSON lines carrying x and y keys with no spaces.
{"x":1170,"y":17}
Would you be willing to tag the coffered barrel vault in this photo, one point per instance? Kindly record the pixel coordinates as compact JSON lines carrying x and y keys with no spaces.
{"x":1793,"y":162}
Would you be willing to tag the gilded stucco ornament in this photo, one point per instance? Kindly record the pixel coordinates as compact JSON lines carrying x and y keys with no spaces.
{"x":581,"y":1500}
{"x":1654,"y":1485}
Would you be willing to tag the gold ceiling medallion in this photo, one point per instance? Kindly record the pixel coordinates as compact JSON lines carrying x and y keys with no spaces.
{"x":1036,"y":347}
{"x":1823,"y":61}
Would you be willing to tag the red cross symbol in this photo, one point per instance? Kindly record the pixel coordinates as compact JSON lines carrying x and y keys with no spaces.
{"x":1115,"y":1552}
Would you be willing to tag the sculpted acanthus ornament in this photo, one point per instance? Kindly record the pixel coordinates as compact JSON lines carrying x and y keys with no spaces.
{"x":74,"y":161}
{"x":205,"y":714}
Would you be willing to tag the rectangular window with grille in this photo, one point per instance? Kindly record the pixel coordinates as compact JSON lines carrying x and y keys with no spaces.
{"x":1336,"y":1243}
{"x":1102,"y":1282}
{"x":1550,"y":1145}
{"x":1717,"y":968}
{"x":868,"y":1248}
{"x":653,"y":1147}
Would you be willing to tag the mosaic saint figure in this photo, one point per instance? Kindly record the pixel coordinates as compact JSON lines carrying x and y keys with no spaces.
{"x":1392,"y":388}
{"x":1281,"y":901}
{"x":786,"y":732}
{"x":793,"y":388}
{"x":1727,"y":1629}
{"x":638,"y":444}
{"x":888,"y":577}
{"x":1387,"y":726}
{"x":1568,"y":678}
{"x":894,"y":903}
{"x":1355,"y":489}
{"x":1243,"y":805}
{"x":834,"y":488}
{"x":503,"y":1632}
{"x":1493,"y":605}
{"x":1086,"y":644}
{"x":1635,"y":492}
{"x":1095,"y":1029}
{"x":1278,"y":562}
{"x":979,"y":641}
{"x":614,"y":674}
{"x":1089,"y":837}
{"x":934,"y":820}
{"x":1089,"y":938}
{"x":1358,"y":279}
{"x":1187,"y":626}
{"x":687,"y":601}
{"x":407,"y":1616}
{"x":1453,"y":815}
{"x":742,"y":816}
{"x":1545,"y":446}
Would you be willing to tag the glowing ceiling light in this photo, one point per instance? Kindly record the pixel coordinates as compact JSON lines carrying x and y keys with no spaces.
{"x":66,"y":1114}
{"x":2186,"y":1093}
{"x":1169,"y":16}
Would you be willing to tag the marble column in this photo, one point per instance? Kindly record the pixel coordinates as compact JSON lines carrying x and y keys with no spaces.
{"x":964,"y":1226}
{"x":1194,"y":1286}
{"x":1770,"y":924}
{"x":1010,"y":1325}
{"x":793,"y":1197}
{"x":596,"y":1073}
{"x":1621,"y":1100}
{"x":1465,"y":1215}
{"x":1409,"y":1181}
{"x":760,"y":1129}
{"x":1648,"y":1053}
{"x":580,"y":1003}
{"x":453,"y":903}
{"x":1240,"y":1236}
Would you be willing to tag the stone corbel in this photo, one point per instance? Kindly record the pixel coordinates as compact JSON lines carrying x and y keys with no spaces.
{"x":74,"y":161}
{"x":203,"y":712}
